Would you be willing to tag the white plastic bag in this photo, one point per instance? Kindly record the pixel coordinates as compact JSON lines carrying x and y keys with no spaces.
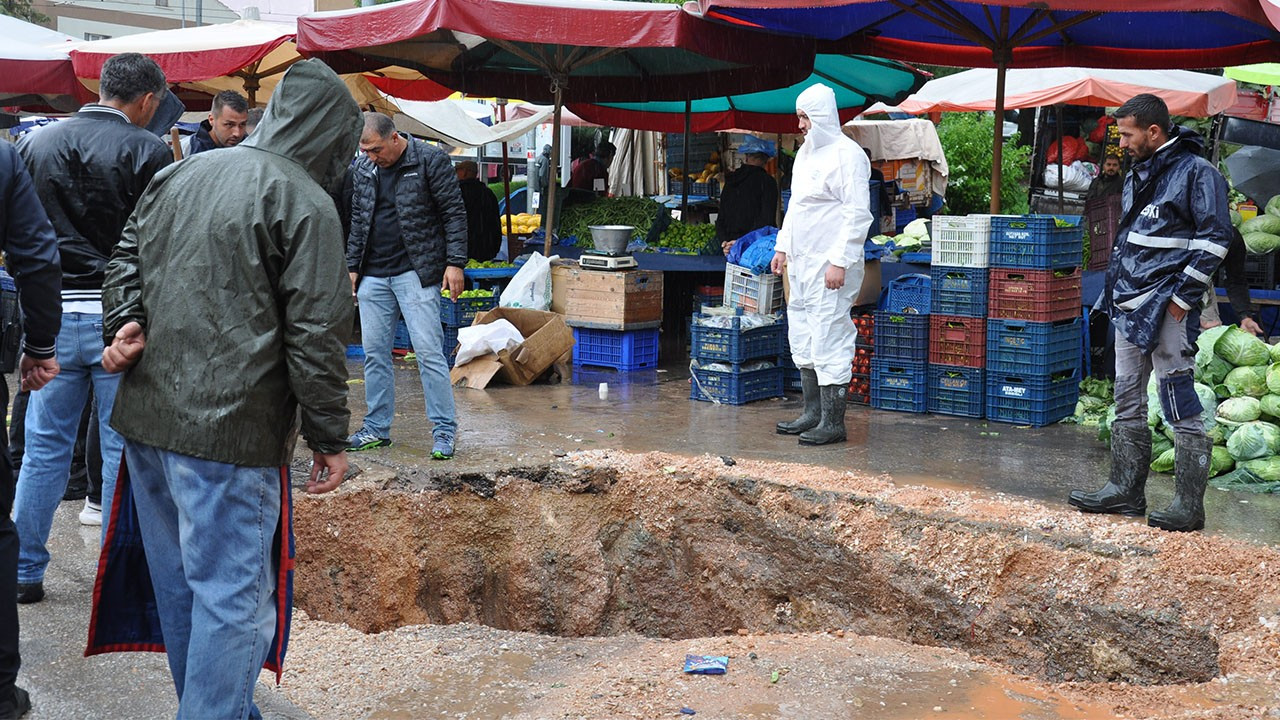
{"x":531,"y":286}
{"x":478,"y":340}
{"x":1075,"y":177}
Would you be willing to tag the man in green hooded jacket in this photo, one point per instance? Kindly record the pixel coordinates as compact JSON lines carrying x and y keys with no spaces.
{"x":226,"y":322}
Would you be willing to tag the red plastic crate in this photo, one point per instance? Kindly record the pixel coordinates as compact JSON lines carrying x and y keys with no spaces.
{"x":957,"y":340}
{"x":860,"y":388}
{"x":1035,"y":295}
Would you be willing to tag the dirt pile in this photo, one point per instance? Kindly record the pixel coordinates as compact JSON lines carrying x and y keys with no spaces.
{"x":605,"y":543}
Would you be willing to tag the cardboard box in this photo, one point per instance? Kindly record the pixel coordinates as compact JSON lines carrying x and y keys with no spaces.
{"x":546,"y":340}
{"x":871,"y":279}
{"x":607,"y":299}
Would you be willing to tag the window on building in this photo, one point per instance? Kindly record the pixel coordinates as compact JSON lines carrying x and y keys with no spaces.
{"x":95,"y":36}
{"x":162,"y":3}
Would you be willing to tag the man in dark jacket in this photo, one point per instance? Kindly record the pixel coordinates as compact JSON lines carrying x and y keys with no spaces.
{"x":227,"y":125}
{"x":592,"y":174}
{"x":227,"y":323}
{"x":484,"y":231}
{"x":31,"y":254}
{"x":1173,"y":234}
{"x":749,"y":200}
{"x":408,"y":235}
{"x":89,"y":172}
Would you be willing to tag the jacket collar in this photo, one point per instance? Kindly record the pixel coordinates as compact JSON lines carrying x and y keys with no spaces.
{"x":103,"y":112}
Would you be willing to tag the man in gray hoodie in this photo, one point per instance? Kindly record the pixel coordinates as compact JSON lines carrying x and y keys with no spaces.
{"x":225,"y":323}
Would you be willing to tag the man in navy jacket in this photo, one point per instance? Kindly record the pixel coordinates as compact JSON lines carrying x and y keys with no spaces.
{"x":1174,"y":232}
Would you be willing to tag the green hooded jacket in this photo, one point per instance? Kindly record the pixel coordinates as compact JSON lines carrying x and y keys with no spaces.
{"x":233,"y":262}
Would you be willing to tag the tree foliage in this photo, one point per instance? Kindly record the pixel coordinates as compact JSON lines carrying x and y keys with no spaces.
{"x":966,"y":140}
{"x":22,"y":10}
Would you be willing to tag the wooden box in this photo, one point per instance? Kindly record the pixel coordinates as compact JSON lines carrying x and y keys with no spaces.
{"x":607,"y":299}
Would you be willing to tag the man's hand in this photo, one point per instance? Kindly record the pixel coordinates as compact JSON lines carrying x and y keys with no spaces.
{"x":1176,"y":311}
{"x":35,"y":373}
{"x":726,"y":246}
{"x":332,"y":468}
{"x":454,"y":281}
{"x":779,"y":263}
{"x":834,"y":277}
{"x":1248,"y":325}
{"x":1209,"y":324}
{"x":125,"y":349}
{"x":355,"y":278}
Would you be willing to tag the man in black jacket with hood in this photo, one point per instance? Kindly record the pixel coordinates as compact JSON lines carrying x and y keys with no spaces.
{"x":749,"y":200}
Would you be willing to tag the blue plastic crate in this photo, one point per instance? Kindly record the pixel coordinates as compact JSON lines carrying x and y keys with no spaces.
{"x":955,"y":390}
{"x":618,"y":349}
{"x":959,"y":291}
{"x":735,"y":345}
{"x":791,"y":379}
{"x":909,"y":293}
{"x":1021,"y":347}
{"x":1035,"y":242}
{"x":401,"y":340}
{"x":903,"y":217}
{"x":463,"y":312}
{"x":355,"y":352}
{"x":902,"y":336}
{"x":899,"y":385}
{"x":1035,"y":400}
{"x":737,"y":387}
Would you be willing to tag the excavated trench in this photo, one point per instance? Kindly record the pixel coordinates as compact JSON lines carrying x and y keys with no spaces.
{"x":625,"y":544}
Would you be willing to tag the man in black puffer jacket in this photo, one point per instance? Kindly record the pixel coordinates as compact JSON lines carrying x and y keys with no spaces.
{"x":89,"y":172}
{"x":408,"y":235}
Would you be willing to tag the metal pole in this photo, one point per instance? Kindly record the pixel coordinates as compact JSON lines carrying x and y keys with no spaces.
{"x":684,"y":163}
{"x":1061,"y":202}
{"x":997,"y":146}
{"x":553,"y":179}
{"x":506,"y":170}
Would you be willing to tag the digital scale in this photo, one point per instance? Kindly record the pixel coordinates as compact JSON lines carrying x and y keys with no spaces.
{"x":600,"y":260}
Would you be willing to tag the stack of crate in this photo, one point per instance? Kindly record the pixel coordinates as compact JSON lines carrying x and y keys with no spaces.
{"x":1034,"y":325}
{"x":460,"y":314}
{"x":614,"y":315}
{"x":899,"y":367}
{"x":740,"y":350}
{"x":958,"y":324}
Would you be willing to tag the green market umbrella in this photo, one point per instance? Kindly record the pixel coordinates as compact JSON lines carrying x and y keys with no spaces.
{"x":1258,"y":73}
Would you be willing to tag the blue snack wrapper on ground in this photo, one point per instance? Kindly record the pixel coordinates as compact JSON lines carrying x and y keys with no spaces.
{"x":706,"y":664}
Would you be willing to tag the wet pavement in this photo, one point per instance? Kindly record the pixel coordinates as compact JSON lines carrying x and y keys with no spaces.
{"x":644,"y":411}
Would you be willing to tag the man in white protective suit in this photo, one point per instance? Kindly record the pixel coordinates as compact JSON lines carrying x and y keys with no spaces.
{"x":820,"y":248}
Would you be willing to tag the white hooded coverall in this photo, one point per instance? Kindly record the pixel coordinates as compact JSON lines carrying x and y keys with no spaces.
{"x":826,"y":224}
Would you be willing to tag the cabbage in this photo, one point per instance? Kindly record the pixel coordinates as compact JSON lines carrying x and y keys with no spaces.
{"x":1261,"y":242}
{"x":881,"y":239}
{"x":916,"y":228}
{"x":1209,"y":402}
{"x":1218,"y":435}
{"x":1163,"y":462}
{"x":1239,"y":410}
{"x":1235,"y":218}
{"x":1265,"y":469}
{"x":1273,"y":205}
{"x":1275,"y":352}
{"x":1240,"y":348}
{"x":1209,"y":338}
{"x":1254,"y":440}
{"x":1104,"y":427}
{"x":1269,"y":224}
{"x":1273,"y":378}
{"x":1271,"y":405}
{"x":1211,"y":369}
{"x":1159,"y":443}
{"x":1220,"y":462}
{"x":1250,"y":380}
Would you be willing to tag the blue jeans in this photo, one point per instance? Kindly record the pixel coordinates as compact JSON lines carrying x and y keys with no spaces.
{"x":208,"y":528}
{"x":53,"y":418}
{"x":382,"y":302}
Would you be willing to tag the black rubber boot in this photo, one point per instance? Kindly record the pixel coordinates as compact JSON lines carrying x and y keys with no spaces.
{"x":835,"y":398}
{"x":1191,"y":459}
{"x":812,"y":405}
{"x":1125,"y":492}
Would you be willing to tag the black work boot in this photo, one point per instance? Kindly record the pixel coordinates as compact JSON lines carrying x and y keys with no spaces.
{"x":1125,"y":492}
{"x":16,"y":705}
{"x":1191,"y":460}
{"x":812,"y":405}
{"x":835,"y":398}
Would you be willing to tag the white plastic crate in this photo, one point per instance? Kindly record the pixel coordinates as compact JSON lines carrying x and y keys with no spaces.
{"x":751,"y":292}
{"x":961,"y":241}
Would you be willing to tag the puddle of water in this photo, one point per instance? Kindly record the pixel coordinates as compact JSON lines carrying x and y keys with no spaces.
{"x":489,"y":690}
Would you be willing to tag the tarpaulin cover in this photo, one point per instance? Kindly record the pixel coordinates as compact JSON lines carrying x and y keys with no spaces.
{"x":857,"y":80}
{"x":1125,"y":33}
{"x":35,"y":68}
{"x":195,"y":53}
{"x":445,"y":120}
{"x":599,"y":50}
{"x":1185,"y":92}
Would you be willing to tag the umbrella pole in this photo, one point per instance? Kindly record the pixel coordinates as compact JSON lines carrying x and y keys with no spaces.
{"x":777,"y":179}
{"x":684,"y":163}
{"x":1061,"y":202}
{"x":553,"y":179}
{"x":506,"y":172}
{"x":997,"y":144}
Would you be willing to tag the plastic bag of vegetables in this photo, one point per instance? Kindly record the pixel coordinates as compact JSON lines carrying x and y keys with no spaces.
{"x":1254,"y":440}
